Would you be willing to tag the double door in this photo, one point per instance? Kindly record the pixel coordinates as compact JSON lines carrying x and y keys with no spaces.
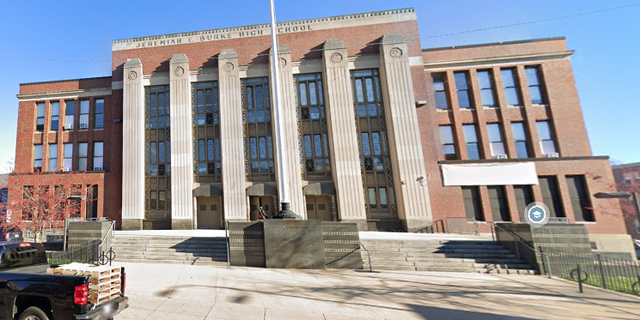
{"x":319,"y":208}
{"x":210,"y":213}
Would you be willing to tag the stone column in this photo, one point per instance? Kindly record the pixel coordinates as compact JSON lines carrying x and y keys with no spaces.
{"x":289,"y":131}
{"x":133,"y":196}
{"x":232,"y":137}
{"x":181,"y":143}
{"x":407,"y":159}
{"x":345,"y":158}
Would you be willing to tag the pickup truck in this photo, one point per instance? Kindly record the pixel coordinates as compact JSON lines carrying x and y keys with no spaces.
{"x":27,"y":292}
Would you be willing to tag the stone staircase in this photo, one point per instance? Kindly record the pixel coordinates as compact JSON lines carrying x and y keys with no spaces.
{"x":480,"y":256}
{"x":160,"y":249}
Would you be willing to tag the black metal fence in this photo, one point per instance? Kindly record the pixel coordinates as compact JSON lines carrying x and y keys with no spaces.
{"x":594,"y":269}
{"x":86,"y":253}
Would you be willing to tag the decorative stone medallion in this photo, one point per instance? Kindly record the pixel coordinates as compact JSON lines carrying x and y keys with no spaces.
{"x":336,"y":57}
{"x":179,"y":71}
{"x":228,"y":67}
{"x":396,"y":52}
{"x":132,"y":75}
{"x":282,"y":62}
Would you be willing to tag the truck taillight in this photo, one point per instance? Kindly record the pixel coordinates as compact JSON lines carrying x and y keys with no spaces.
{"x":25,"y":244}
{"x":124,"y":280}
{"x":5,"y":235}
{"x":81,"y":294}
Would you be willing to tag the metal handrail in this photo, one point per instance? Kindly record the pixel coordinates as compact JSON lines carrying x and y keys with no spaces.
{"x":104,"y":238}
{"x":368,"y":254}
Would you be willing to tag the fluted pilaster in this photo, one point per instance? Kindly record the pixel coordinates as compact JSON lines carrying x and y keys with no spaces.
{"x":232,"y":137}
{"x":345,"y":160}
{"x":409,"y":172}
{"x":133,"y":146}
{"x":181,"y":143}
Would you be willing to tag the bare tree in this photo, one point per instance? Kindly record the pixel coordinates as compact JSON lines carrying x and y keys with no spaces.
{"x":43,"y":200}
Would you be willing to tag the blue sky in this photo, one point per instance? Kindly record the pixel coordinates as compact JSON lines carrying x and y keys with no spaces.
{"x":48,"y":40}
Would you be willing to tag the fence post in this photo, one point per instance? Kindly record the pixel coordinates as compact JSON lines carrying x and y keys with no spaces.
{"x":545,"y":262}
{"x":517,"y":245}
{"x":602,"y":273}
{"x":580,"y":279}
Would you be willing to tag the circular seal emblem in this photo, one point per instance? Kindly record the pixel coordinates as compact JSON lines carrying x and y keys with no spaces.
{"x":336,"y":57}
{"x":179,"y":71}
{"x":396,"y":52}
{"x":228,"y":67}
{"x":282,"y":62}
{"x":132,"y":75}
{"x":536,"y":214}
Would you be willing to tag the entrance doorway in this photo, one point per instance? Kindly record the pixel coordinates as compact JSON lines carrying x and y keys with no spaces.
{"x":209,"y":213}
{"x":318,"y":208}
{"x":266,"y":202}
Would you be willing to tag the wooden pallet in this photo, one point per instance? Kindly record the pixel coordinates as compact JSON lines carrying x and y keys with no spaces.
{"x":104,"y":281}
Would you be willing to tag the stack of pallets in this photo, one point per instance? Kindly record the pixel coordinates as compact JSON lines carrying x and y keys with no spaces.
{"x":104,"y":281}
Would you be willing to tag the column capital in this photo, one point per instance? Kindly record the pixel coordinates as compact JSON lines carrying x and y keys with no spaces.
{"x":179,"y":58}
{"x":334,"y":44}
{"x":228,"y":54}
{"x":391,"y":39}
{"x":132,"y":63}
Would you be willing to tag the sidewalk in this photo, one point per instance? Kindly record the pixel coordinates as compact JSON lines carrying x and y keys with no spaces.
{"x":162,"y":291}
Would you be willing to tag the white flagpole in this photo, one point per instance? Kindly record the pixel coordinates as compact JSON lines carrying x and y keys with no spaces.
{"x":286,"y":213}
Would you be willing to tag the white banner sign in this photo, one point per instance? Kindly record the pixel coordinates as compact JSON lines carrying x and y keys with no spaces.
{"x":489,"y":174}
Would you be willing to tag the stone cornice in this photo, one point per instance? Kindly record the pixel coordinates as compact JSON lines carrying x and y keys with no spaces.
{"x":497,"y":60}
{"x":93,"y":92}
{"x":352,"y":20}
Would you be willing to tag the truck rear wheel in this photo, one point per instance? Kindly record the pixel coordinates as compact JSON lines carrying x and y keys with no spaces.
{"x":33,"y":313}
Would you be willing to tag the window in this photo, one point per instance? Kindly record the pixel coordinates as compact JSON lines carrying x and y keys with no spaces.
{"x":551,"y":195}
{"x":580,"y":201}
{"x":510,"y":82}
{"x":523,"y":196}
{"x":82,"y":156}
{"x":495,"y":138}
{"x":520,"y":138}
{"x":472,"y":205}
{"x":84,"y":114}
{"x":375,"y":160}
{"x":98,"y":153}
{"x":53,"y":157}
{"x":207,"y":156}
{"x":485,"y":79}
{"x":69,"y":110}
{"x":471,"y":139}
{"x":547,"y":142}
{"x":462,"y":87}
{"x":498,"y":200}
{"x":257,"y":118}
{"x":535,"y":87}
{"x":314,"y":146}
{"x":92,"y":207}
{"x":40,"y":106}
{"x":440,"y":91}
{"x":55,"y":116}
{"x":37,"y":158}
{"x":99,"y":114}
{"x":448,"y":144}
{"x":68,"y":157}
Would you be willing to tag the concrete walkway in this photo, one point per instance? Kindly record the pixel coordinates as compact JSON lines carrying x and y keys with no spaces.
{"x":161,"y":291}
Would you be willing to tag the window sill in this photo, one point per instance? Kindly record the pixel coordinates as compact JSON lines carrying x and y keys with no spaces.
{"x":443,"y":110}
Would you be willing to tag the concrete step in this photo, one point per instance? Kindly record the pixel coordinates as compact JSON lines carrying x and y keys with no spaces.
{"x":191,"y":250}
{"x":212,"y":263}
{"x":502,"y":266}
{"x":449,"y":269}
